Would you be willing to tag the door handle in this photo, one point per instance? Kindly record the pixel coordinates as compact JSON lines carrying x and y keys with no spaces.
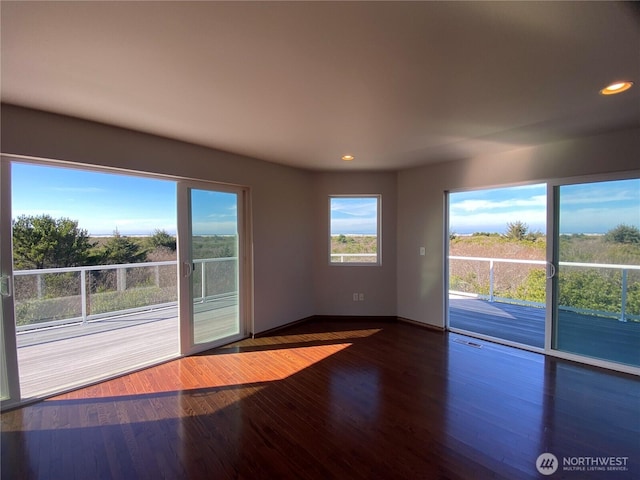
{"x":551,"y":270}
{"x":187,"y":269}
{"x":5,"y":285}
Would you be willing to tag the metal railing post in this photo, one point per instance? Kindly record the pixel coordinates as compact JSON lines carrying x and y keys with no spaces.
{"x":121,"y":279}
{"x":204,"y":281}
{"x":623,"y":305}
{"x":39,"y":286}
{"x":83,"y":294}
{"x":491,"y":274}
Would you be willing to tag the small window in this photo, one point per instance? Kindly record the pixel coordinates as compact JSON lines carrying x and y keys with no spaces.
{"x":354,"y":237}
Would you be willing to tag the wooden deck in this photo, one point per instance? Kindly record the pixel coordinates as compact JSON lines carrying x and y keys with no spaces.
{"x":587,"y":335}
{"x":59,"y":358}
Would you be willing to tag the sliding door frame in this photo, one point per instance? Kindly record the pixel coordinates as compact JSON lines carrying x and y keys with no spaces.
{"x":188,"y":346}
{"x":552,"y":258}
{"x":481,"y":336}
{"x":245,"y":255}
{"x":11,"y":378}
{"x":553,"y":215}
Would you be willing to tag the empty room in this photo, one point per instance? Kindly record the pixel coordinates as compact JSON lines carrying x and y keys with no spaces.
{"x":320,"y":240}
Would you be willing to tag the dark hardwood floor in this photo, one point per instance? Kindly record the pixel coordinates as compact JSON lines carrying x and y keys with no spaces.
{"x":334,"y":399}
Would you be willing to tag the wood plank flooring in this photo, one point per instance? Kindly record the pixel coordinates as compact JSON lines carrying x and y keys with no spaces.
{"x":334,"y":399}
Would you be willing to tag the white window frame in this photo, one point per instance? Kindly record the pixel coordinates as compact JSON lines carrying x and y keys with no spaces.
{"x":378,"y":261}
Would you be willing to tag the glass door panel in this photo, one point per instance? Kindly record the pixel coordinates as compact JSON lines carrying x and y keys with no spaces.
{"x":91,"y":301}
{"x":9,"y":384}
{"x":597,"y":287}
{"x":497,"y":264}
{"x":212,"y":271}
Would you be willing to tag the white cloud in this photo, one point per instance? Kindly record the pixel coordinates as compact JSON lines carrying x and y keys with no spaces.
{"x":598,"y":220}
{"x":354,"y":225}
{"x":597,"y":195}
{"x":497,"y":221}
{"x":357,"y":207}
{"x":479,"y":205}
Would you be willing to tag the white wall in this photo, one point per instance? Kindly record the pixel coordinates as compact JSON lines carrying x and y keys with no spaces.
{"x":421,"y":204}
{"x":292,"y":277}
{"x":334,"y":285}
{"x":283,"y":225}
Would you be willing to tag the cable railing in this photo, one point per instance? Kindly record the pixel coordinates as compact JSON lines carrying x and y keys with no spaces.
{"x":57,"y":296}
{"x":489,"y":288}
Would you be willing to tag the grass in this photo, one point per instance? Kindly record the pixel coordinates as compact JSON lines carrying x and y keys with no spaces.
{"x":588,"y":288}
{"x":354,"y":244}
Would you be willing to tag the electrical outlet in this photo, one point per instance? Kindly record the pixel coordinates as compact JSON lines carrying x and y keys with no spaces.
{"x":422,"y":251}
{"x":361,"y":297}
{"x":355,"y":297}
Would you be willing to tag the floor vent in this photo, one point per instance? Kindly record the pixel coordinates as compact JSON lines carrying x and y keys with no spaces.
{"x":467,"y":342}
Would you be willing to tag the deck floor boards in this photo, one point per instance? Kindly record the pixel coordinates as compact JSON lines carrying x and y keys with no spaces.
{"x":588,"y":335}
{"x":62,"y":357}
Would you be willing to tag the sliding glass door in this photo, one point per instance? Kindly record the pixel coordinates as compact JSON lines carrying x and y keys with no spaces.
{"x":597,"y":286}
{"x":106,"y":272}
{"x":213,"y":254}
{"x":497,"y":264}
{"x":570,"y":288}
{"x":9,"y":385}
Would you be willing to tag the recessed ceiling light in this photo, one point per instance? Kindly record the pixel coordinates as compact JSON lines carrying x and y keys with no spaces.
{"x":348,"y":158}
{"x":617,"y":87}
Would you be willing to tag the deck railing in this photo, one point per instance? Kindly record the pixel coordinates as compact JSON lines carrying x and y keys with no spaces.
{"x":622,"y":314}
{"x":86,"y":293}
{"x":360,"y":257}
{"x":55,"y":296}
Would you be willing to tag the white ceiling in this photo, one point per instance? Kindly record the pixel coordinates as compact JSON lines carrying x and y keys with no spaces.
{"x":299,"y":83}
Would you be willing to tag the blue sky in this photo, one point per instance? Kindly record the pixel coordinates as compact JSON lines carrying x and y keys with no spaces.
{"x":599,"y":207}
{"x":214,"y":213}
{"x":354,"y":215}
{"x":584,"y":208}
{"x":491,"y":210}
{"x":103,"y":202}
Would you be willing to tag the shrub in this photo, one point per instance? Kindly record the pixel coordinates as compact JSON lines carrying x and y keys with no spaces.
{"x":623,"y":234}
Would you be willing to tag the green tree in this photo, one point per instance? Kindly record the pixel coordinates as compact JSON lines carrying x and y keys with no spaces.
{"x":161,"y":239}
{"x":41,"y":241}
{"x":623,"y":234}
{"x":120,"y":249}
{"x":517,"y":230}
{"x":520,"y":231}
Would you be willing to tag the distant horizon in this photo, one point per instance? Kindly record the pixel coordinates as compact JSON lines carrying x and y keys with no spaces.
{"x":149,"y":235}
{"x":102,"y":203}
{"x":585,"y":209}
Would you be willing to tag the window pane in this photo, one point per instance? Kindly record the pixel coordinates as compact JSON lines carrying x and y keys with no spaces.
{"x":354,"y":225}
{"x":497,"y":253}
{"x":215,"y":278}
{"x":598,"y":278}
{"x":95,"y":281}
